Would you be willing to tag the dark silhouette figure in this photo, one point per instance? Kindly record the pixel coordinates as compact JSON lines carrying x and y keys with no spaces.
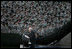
{"x":32,"y":39}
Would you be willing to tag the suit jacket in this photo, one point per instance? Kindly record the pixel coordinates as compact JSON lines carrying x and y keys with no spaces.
{"x":32,"y":37}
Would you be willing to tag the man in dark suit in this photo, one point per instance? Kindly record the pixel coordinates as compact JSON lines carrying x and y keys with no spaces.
{"x":32,"y":37}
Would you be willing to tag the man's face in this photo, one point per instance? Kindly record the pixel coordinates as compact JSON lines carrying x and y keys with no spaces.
{"x":30,"y":29}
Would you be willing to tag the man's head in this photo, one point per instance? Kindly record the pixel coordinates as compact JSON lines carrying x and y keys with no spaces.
{"x":30,"y":29}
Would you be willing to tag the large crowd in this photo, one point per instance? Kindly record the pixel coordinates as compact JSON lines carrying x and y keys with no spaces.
{"x":43,"y":16}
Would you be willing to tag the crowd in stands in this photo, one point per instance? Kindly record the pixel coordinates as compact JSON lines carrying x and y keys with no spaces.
{"x":43,"y":16}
